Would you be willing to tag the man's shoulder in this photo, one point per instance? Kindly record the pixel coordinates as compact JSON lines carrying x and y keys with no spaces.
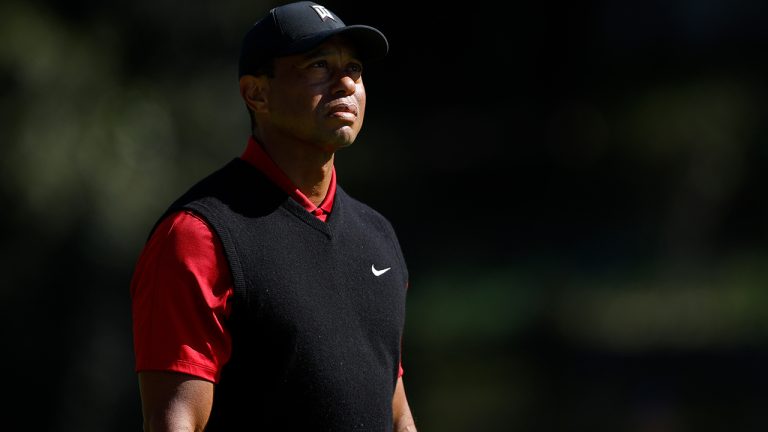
{"x":362,"y":210}
{"x":216,"y":189}
{"x":232,"y":184}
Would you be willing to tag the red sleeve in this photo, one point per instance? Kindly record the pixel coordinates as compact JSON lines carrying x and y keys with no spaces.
{"x":179,"y":294}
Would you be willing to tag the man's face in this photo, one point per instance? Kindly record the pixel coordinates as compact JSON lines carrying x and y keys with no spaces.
{"x":318,"y":96}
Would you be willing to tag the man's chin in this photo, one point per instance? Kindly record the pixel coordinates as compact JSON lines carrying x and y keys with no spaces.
{"x":343,"y":137}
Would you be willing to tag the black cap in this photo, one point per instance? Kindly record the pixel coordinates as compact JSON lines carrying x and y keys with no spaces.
{"x":297,"y":27}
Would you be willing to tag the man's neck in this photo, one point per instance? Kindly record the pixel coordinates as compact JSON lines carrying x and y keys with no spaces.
{"x":308,"y":167}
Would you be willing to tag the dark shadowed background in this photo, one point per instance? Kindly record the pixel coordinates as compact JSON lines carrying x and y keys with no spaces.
{"x":579,"y":190}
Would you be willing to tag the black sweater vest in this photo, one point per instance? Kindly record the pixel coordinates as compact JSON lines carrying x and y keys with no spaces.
{"x":315,"y":332}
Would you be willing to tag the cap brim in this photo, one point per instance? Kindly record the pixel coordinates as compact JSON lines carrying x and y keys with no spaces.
{"x":370,"y":42}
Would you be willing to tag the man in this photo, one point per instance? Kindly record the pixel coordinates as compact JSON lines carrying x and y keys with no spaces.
{"x":266,"y":298}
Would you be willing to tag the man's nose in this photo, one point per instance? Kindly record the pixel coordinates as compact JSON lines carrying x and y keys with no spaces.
{"x":344,"y":85}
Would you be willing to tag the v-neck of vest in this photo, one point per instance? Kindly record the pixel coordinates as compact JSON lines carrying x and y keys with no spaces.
{"x":326,"y":227}
{"x":291,"y":205}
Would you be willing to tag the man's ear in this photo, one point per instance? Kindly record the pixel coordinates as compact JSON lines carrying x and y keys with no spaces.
{"x":253,"y":89}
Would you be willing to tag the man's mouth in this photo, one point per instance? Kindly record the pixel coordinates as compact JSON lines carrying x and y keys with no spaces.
{"x":343,"y":111}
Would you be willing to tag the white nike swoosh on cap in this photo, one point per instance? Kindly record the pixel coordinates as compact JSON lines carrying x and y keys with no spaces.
{"x":379,"y":272}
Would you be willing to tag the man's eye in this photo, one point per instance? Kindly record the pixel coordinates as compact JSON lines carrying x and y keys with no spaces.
{"x":319,"y":64}
{"x":355,"y":68}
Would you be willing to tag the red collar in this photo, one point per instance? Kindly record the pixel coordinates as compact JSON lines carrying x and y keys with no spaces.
{"x":255,"y":155}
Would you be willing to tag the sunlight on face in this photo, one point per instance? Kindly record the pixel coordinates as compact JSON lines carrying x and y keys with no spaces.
{"x":318,"y":96}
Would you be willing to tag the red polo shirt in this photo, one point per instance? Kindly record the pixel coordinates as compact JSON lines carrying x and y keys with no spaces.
{"x":181,"y":286}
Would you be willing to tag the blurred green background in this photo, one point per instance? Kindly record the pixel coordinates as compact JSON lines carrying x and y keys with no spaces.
{"x":579,"y":189}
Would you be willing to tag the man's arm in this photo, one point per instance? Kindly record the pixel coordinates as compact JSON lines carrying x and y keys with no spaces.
{"x":174,"y":402}
{"x":401,"y":412}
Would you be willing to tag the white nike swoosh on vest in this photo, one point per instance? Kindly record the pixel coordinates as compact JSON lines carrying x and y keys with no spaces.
{"x":379,"y":272}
